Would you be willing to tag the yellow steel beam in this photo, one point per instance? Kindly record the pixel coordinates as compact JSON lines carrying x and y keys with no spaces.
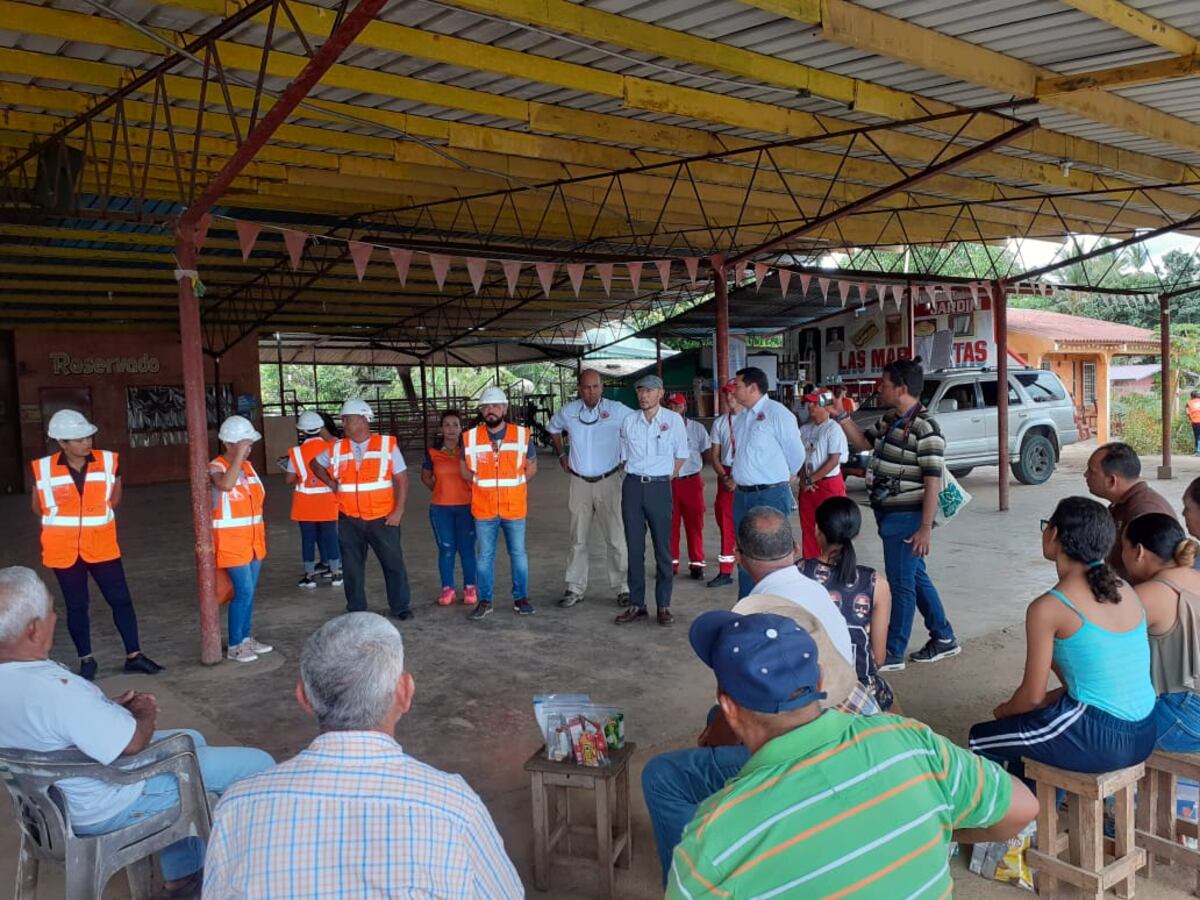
{"x":1140,"y":24}
{"x":1122,"y":76}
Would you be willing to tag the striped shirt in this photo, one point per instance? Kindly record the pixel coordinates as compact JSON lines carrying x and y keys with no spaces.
{"x":353,"y":816}
{"x":842,"y":806}
{"x":907,"y":459}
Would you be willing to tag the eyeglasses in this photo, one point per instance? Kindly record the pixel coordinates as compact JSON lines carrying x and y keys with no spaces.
{"x":595,"y":412}
{"x":1045,"y":524}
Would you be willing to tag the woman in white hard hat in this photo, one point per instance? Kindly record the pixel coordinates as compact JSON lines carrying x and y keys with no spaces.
{"x":75,"y":493}
{"x":239,"y":533}
{"x":314,"y":501}
{"x":450,"y":509}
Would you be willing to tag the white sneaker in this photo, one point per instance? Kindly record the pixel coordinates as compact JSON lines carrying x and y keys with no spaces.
{"x":243,"y":652}
{"x":258,"y":646}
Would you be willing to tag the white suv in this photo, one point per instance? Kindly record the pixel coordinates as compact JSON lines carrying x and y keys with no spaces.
{"x":1041,"y":419}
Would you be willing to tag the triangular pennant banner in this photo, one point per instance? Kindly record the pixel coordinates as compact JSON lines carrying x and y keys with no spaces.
{"x":739,"y":273}
{"x":401,"y":259}
{"x":476,"y":268}
{"x":361,"y":254}
{"x":844,"y":290}
{"x":545,"y":274}
{"x":575,"y":273}
{"x":898,"y":294}
{"x":605,"y":272}
{"x":974,"y":288}
{"x":785,"y":278}
{"x":635,"y":274}
{"x":440,"y":263}
{"x":692,"y":264}
{"x":760,"y":274}
{"x":805,"y":281}
{"x":881,"y":294}
{"x":823,"y":284}
{"x":294,"y":241}
{"x":512,"y":273}
{"x":862,"y":293}
{"x":664,"y":272}
{"x":247,"y":233}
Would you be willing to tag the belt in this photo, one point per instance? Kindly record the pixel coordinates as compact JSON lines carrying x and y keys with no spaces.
{"x":592,"y":479}
{"x":755,"y":488}
{"x":647,"y":479}
{"x":685,"y":477}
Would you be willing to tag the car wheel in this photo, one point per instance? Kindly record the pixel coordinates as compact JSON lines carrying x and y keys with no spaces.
{"x":961,"y":471}
{"x":1035,"y":464}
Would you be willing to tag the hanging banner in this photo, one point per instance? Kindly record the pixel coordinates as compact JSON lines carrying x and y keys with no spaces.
{"x":605,"y":271}
{"x":760,"y":274}
{"x":401,"y":259}
{"x":476,"y":269}
{"x":361,"y":254}
{"x":440,"y":264}
{"x":294,"y":241}
{"x":512,"y":273}
{"x":664,"y":272}
{"x":692,"y":264}
{"x":635,"y":274}
{"x":575,"y":273}
{"x":785,"y":279}
{"x":247,"y":233}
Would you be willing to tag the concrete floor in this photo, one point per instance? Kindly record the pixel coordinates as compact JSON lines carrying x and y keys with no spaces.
{"x":472,"y":712}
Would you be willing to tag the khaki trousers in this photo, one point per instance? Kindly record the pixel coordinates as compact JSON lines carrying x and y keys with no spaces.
{"x":599,"y":501}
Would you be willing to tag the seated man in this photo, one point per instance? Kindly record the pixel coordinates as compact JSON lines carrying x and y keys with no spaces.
{"x":354,"y":815}
{"x":45,"y":707}
{"x":828,"y":804}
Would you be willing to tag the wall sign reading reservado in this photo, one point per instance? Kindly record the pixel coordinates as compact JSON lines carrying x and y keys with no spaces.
{"x":66,"y":364}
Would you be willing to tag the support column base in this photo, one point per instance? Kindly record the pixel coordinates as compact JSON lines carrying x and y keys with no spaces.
{"x":1166,"y":473}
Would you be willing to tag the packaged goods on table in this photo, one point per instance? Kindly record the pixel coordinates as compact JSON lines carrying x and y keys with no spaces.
{"x":575,"y":728}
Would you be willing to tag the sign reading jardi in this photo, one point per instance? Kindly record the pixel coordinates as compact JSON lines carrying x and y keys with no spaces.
{"x":66,"y":364}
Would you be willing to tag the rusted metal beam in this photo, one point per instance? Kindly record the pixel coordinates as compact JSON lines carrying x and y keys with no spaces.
{"x":721,"y":351}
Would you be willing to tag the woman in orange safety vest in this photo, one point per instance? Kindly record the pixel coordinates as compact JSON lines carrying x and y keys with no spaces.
{"x":450,"y":509}
{"x":314,"y":501}
{"x":1193,"y":413}
{"x":239,"y":533}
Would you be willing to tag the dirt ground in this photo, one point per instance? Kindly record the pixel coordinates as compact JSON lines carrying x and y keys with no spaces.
{"x":472,"y":713}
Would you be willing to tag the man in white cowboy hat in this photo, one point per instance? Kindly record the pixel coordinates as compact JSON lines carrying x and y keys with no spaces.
{"x":75,"y":493}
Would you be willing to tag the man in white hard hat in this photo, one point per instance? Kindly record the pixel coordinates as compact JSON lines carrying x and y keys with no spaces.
{"x":314,"y":502}
{"x":593,"y":426}
{"x":372,"y":488}
{"x":76,"y":492}
{"x":499,"y":459}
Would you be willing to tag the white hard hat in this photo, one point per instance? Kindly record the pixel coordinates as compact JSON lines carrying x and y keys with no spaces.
{"x":310,"y":422}
{"x":237,"y":428}
{"x":68,"y":425}
{"x":493,"y":395}
{"x":357,"y":407}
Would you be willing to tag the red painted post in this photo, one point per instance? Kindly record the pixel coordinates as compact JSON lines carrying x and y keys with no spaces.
{"x":1000,"y":310}
{"x":721,"y":351}
{"x":1168,"y":407}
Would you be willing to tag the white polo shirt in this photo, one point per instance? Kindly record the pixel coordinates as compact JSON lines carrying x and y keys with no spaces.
{"x":698,"y":442}
{"x":721,"y":436}
{"x":791,"y":584}
{"x":595,"y":435}
{"x":821,"y":442}
{"x":651,"y":448}
{"x":769,"y":449}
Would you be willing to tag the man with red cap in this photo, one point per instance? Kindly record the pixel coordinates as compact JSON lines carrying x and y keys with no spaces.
{"x":825,"y":450}
{"x":687,"y":492}
{"x":720,"y":455}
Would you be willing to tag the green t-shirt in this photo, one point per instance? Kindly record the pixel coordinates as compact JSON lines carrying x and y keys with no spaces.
{"x":844,"y":806}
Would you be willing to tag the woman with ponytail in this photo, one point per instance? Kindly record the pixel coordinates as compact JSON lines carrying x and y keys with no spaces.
{"x":1090,"y":630}
{"x":1159,"y":558}
{"x":863,"y":599}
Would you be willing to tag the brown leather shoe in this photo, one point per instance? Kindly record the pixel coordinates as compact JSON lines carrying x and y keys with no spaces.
{"x":665,"y":618}
{"x":631,"y":614}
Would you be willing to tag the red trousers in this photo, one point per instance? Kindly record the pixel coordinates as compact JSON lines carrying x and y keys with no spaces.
{"x":688,"y":496}
{"x":809,"y":501}
{"x":723,"y":510}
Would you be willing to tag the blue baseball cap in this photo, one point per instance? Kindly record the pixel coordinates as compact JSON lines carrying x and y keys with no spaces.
{"x":765,"y":662}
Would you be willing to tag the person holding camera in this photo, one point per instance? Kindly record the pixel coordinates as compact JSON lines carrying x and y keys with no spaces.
{"x":903,"y":478}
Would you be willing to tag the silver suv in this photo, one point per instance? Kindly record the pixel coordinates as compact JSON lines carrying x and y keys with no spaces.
{"x":1041,"y":419}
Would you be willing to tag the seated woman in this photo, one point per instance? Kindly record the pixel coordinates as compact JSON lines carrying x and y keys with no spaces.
{"x":865,"y":601}
{"x":1090,"y":630}
{"x":1159,"y":558}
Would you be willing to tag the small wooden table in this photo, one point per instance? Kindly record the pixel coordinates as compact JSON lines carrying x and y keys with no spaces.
{"x":551,"y":784}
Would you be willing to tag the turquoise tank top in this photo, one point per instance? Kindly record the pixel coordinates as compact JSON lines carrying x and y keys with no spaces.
{"x":1109,"y":670}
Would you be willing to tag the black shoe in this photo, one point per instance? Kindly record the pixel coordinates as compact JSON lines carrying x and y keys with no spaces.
{"x":695,"y":572}
{"x":523,"y":607}
{"x":87,"y":669}
{"x":935,"y":650}
{"x":142,"y":663}
{"x":482,"y":609}
{"x":322,"y":568}
{"x":721,"y":580}
{"x":404,"y":615}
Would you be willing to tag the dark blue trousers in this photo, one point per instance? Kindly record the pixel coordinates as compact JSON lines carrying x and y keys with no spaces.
{"x":110,"y":578}
{"x":648,"y":506}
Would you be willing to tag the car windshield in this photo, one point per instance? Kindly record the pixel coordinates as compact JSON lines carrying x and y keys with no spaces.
{"x":931,"y":388}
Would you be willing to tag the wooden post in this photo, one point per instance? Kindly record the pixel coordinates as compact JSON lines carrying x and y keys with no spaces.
{"x":1000,"y":310}
{"x":1168,"y":395}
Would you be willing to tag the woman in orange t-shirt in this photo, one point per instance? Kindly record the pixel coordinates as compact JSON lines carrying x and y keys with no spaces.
{"x":1193,"y":413}
{"x":450,"y":509}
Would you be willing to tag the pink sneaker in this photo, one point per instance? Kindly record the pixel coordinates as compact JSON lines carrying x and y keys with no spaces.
{"x":470,"y":595}
{"x":447,"y":597}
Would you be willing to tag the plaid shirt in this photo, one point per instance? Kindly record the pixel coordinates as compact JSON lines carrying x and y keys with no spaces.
{"x":353,"y":816}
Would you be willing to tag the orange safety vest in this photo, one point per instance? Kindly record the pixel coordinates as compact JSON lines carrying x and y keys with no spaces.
{"x":1193,"y":411}
{"x":499,"y":488}
{"x":365,"y":491}
{"x":238,"y":530}
{"x":77,"y":526}
{"x":312,"y":499}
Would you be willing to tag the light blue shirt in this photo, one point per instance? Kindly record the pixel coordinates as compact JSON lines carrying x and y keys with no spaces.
{"x":651,"y":448}
{"x":595,"y":434}
{"x":769,"y":448}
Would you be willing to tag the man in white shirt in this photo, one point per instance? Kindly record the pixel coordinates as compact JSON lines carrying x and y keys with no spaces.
{"x":653,"y":449}
{"x":769,"y":453}
{"x":687,"y":492}
{"x":720,"y":455}
{"x":45,"y":707}
{"x":825,"y":450}
{"x":592,"y":424}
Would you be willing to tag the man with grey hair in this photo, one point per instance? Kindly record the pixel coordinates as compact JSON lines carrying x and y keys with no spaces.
{"x":354,"y":815}
{"x":44,"y":707}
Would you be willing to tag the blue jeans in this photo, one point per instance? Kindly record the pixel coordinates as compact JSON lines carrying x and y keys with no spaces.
{"x":220,"y":767}
{"x":454,"y":531}
{"x":241,"y":607}
{"x":911,"y":588}
{"x":675,"y":783}
{"x":487,"y":532}
{"x":779,"y":497}
{"x":1177,"y":720}
{"x":325,"y":536}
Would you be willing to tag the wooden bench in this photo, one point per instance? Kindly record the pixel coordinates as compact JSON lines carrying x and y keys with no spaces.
{"x":1085,"y":866}
{"x":1158,"y":826}
{"x":551,"y":786}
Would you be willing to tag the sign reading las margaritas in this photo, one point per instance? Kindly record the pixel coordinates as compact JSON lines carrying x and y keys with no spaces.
{"x":66,"y":364}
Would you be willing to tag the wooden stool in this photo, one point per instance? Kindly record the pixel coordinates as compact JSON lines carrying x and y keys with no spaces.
{"x":1158,"y":827}
{"x":552,"y":783}
{"x":1084,"y":838}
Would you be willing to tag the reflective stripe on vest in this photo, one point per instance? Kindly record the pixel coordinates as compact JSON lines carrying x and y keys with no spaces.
{"x":239,"y":534}
{"x":86,"y":528}
{"x":368,"y":499}
{"x":501,"y":490}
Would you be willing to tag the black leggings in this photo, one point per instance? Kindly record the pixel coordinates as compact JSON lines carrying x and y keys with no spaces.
{"x":110,"y":577}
